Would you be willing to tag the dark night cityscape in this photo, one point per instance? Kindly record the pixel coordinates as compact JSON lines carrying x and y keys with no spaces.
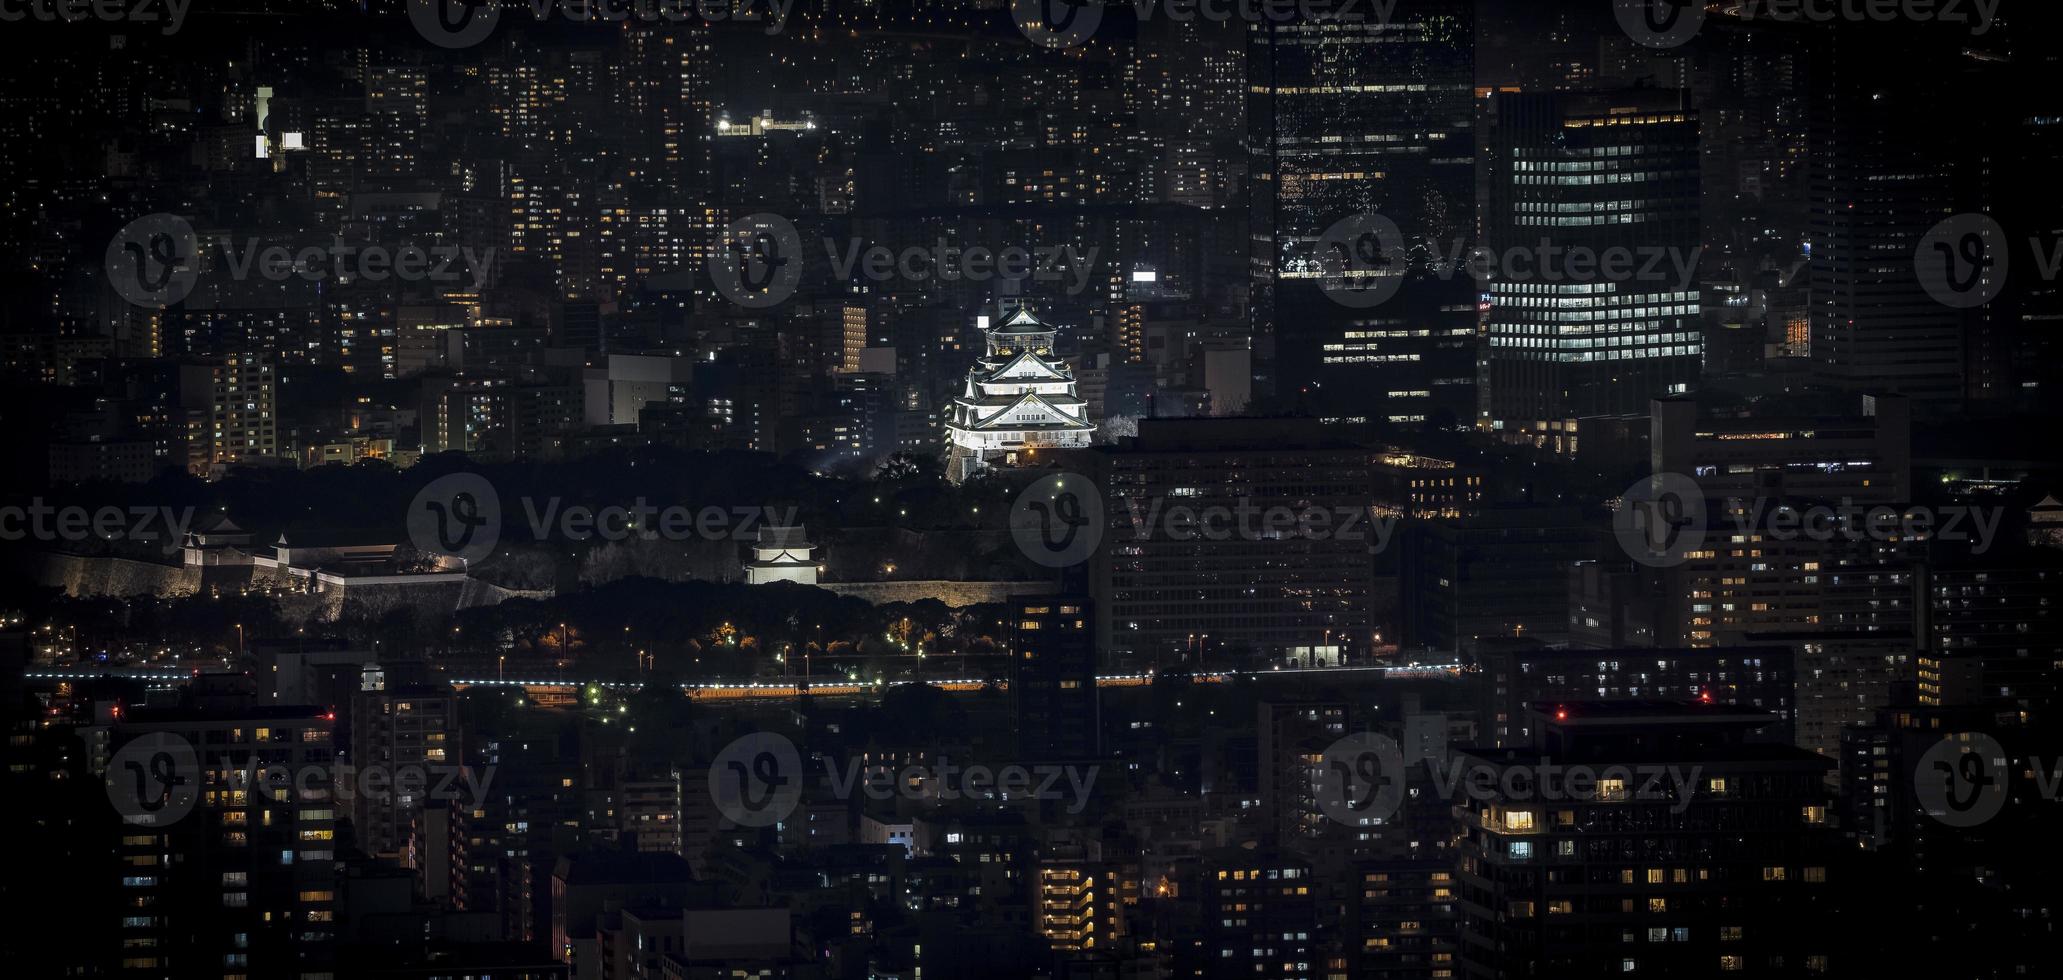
{"x":1031,"y":489}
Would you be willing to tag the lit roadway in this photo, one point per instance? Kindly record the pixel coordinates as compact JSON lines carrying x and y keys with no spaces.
{"x":833,"y":686}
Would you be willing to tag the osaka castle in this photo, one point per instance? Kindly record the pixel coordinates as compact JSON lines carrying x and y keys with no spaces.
{"x":1018,"y":399}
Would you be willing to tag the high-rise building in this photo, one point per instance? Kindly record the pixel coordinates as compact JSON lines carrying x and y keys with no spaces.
{"x":244,"y":884}
{"x":1706,"y":871}
{"x":1502,"y":572}
{"x":399,"y":728}
{"x":1991,"y":629}
{"x":1597,"y":175}
{"x":1880,"y":174}
{"x":233,"y":414}
{"x":1293,"y":737}
{"x":1405,"y":911}
{"x":1260,"y":916}
{"x":1350,"y":119}
{"x":1519,"y":674}
{"x":1053,"y":678}
{"x":1232,"y":541}
{"x":1864,"y":457}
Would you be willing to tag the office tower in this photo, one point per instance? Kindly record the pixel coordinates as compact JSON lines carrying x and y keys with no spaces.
{"x":400,"y":728}
{"x":1502,"y":572}
{"x":1516,"y":674}
{"x":1597,"y":175}
{"x":1232,"y":542}
{"x":1018,"y":399}
{"x":231,"y":411}
{"x":1053,"y":679}
{"x":1864,"y":456}
{"x":1707,"y":869}
{"x":1881,"y":174}
{"x":246,"y":882}
{"x":1347,"y":119}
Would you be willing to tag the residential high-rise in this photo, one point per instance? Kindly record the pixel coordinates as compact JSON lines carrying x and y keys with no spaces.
{"x":246,"y":882}
{"x":1706,"y":870}
{"x":1351,"y":119}
{"x":1596,"y":175}
{"x":1053,"y":678}
{"x":399,"y":728}
{"x":1260,"y":916}
{"x":233,"y":414}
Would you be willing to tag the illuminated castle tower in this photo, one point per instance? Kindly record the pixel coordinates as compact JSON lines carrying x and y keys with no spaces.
{"x":1018,"y":399}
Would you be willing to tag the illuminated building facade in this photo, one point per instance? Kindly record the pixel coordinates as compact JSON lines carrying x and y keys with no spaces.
{"x":1348,"y":119}
{"x":1018,"y":398}
{"x":1598,"y":175}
